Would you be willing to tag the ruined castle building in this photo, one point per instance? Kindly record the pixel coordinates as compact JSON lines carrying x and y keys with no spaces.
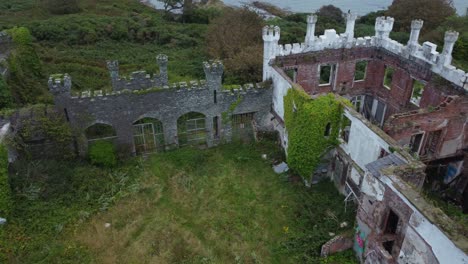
{"x":408,"y":101}
{"x":145,"y":113}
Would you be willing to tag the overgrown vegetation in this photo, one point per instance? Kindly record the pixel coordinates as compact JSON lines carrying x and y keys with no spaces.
{"x":219,"y":205}
{"x":102,"y":153}
{"x":313,"y":127}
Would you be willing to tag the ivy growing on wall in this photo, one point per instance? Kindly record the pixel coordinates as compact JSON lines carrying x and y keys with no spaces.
{"x":26,"y":80}
{"x":313,"y":127}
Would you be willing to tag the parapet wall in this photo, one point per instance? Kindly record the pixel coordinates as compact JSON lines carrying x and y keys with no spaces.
{"x":425,"y":53}
{"x":122,"y":108}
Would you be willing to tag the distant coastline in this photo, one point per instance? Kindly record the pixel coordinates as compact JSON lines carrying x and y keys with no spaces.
{"x":360,"y":7}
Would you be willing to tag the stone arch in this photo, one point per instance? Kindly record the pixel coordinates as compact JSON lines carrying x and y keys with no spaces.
{"x":148,"y":135}
{"x":100,"y":131}
{"x":191,"y":129}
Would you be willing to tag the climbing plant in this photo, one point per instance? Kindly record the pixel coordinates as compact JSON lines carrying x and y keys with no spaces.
{"x":25,"y":80}
{"x":313,"y":127}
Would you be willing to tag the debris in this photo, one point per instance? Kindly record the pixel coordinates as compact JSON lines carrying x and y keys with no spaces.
{"x":107,"y":225}
{"x":264,"y":156}
{"x":280,"y":168}
{"x":331,"y":234}
{"x":344,"y":224}
{"x":2,"y":221}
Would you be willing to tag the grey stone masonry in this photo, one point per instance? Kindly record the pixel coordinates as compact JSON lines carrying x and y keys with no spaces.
{"x":138,"y":79}
{"x":121,"y":108}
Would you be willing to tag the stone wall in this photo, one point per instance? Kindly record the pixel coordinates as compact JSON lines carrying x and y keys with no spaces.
{"x":121,"y":109}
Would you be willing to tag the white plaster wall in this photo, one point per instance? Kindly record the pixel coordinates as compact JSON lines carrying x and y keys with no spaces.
{"x":372,"y":187}
{"x":364,"y":144}
{"x":355,"y":176}
{"x":280,"y":89}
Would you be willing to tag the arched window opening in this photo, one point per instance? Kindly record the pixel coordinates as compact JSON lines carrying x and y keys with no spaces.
{"x":148,"y":135}
{"x":191,"y":129}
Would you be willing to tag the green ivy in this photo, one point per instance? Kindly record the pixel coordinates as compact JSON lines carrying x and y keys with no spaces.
{"x":306,"y":121}
{"x":5,"y":192}
{"x":25,"y":81}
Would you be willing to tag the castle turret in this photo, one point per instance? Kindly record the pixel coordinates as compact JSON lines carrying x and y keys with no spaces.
{"x":383,"y":27}
{"x":113,"y":67}
{"x":413,"y":44}
{"x":350,"y":23}
{"x":162,"y":59}
{"x":214,"y":74}
{"x":271,"y":36}
{"x":60,"y":85}
{"x":449,"y":42}
{"x":310,"y":35}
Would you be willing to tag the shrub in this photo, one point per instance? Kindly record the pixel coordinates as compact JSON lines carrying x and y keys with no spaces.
{"x":102,"y":153}
{"x":5,"y":191}
{"x":61,"y":7}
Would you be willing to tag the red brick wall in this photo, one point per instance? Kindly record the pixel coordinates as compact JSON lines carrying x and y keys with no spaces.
{"x":397,"y":98}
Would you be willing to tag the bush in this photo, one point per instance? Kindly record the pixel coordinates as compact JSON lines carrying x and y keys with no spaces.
{"x":102,"y":153}
{"x":61,"y":7}
{"x":5,"y":191}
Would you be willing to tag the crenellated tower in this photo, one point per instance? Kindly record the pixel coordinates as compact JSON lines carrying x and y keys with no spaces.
{"x":113,"y":67}
{"x":271,"y":36}
{"x":214,"y":74}
{"x":416,"y":26}
{"x":350,"y":23}
{"x":445,"y":58}
{"x":310,"y":35}
{"x":383,"y":27}
{"x":60,"y":85}
{"x":162,"y":60}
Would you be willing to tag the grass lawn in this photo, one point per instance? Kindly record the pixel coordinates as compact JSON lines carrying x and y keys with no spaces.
{"x":221,"y":205}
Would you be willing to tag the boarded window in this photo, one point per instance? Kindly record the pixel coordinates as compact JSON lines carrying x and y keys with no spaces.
{"x":418,"y":89}
{"x":388,"y":78}
{"x":360,"y":71}
{"x":380,"y":113}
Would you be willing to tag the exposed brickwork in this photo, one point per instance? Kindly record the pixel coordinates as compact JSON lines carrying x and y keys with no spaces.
{"x":396,"y":99}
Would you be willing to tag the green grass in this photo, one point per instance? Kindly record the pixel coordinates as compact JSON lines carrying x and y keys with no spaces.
{"x":221,"y":205}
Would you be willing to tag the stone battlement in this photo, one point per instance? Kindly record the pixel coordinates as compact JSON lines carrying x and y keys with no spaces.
{"x":139,"y":79}
{"x":427,"y":52}
{"x":181,"y":87}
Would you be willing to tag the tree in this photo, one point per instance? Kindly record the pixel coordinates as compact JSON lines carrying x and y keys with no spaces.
{"x":329,"y":16}
{"x":172,"y":5}
{"x":331,"y":12}
{"x":433,"y":12}
{"x":235,"y":37}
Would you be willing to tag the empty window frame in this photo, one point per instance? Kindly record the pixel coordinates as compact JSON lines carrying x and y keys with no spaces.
{"x":415,"y":143}
{"x":418,"y":89}
{"x":345,"y":128}
{"x":327,"y":73}
{"x":388,"y":77}
{"x":292,"y":74}
{"x":327,"y":130}
{"x":357,"y":101}
{"x":360,"y":71}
